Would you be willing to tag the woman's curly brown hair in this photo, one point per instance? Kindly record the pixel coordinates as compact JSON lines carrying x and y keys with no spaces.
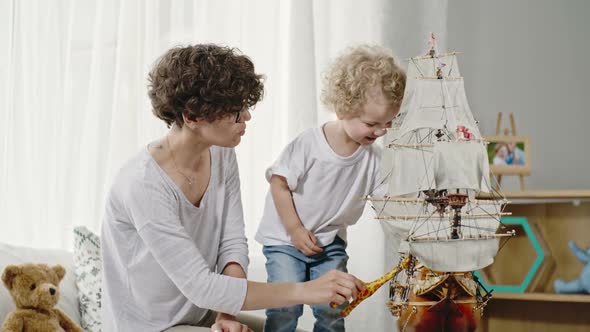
{"x":354,"y":73}
{"x":203,"y":81}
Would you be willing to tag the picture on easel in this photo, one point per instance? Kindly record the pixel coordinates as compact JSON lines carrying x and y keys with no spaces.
{"x":509,"y":155}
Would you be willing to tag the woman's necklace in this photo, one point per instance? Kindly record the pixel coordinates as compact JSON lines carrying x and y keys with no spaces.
{"x":189,"y":179}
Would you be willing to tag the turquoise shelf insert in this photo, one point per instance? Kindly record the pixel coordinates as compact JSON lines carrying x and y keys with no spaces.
{"x":534,"y":267}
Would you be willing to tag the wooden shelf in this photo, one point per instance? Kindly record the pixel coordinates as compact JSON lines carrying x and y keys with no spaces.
{"x":544,"y":297}
{"x":555,"y":216}
{"x":548,"y":194}
{"x":543,"y":196}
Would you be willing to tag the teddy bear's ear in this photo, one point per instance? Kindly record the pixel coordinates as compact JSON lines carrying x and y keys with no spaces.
{"x":10,"y":272}
{"x":60,"y":271}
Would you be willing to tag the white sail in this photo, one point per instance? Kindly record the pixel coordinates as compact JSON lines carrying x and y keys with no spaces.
{"x":418,"y":220}
{"x":441,"y":165}
{"x":456,"y":255}
{"x":395,"y":216}
{"x":426,"y":66}
{"x":427,"y":234}
{"x":461,"y":165}
{"x":411,"y":170}
{"x":438,"y":104}
{"x":432,"y":107}
{"x":475,"y":249}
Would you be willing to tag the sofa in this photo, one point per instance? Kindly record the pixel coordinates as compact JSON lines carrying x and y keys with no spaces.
{"x":80,"y":288}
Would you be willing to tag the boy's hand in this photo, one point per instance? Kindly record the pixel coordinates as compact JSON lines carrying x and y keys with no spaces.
{"x":305,"y":241}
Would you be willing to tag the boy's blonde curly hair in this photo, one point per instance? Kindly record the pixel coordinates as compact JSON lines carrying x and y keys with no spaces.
{"x":349,"y":78}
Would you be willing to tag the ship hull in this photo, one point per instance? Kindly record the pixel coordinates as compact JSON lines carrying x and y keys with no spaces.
{"x":439,"y":302}
{"x":428,"y":321}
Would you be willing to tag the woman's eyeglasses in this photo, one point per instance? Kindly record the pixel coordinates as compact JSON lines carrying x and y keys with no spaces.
{"x":239,"y":114}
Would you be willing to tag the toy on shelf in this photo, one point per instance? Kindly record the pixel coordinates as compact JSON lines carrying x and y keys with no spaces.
{"x":582,"y":284}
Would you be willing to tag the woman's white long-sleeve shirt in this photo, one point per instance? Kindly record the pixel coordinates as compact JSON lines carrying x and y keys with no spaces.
{"x":161,"y":253}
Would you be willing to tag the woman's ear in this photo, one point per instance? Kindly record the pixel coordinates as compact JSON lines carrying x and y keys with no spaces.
{"x":190,"y":123}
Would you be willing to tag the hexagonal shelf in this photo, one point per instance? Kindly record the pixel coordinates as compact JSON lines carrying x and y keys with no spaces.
{"x":519,"y":260}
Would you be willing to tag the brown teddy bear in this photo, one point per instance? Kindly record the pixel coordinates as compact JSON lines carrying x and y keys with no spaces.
{"x":34,"y":289}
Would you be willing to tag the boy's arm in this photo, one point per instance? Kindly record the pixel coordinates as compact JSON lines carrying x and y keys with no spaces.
{"x":302,"y":239}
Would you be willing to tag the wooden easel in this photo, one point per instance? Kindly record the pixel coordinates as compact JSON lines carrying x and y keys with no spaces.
{"x":507,"y":132}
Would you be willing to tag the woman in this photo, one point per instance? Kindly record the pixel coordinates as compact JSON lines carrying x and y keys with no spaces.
{"x":173,"y":241}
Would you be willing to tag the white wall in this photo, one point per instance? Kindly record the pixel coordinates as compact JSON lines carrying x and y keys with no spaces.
{"x":530,"y":57}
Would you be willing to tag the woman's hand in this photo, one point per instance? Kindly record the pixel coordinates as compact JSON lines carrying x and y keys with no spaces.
{"x":305,"y":241}
{"x":228,"y":323}
{"x":335,"y":286}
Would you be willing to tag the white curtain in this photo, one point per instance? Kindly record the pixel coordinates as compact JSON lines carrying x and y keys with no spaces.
{"x":73,"y":104}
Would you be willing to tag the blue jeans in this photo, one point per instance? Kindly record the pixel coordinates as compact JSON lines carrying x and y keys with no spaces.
{"x":287,"y":264}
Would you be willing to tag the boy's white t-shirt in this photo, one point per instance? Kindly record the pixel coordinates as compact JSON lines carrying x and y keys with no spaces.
{"x":327,"y":188}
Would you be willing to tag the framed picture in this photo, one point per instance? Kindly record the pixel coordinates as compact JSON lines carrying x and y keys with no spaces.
{"x":509,"y":154}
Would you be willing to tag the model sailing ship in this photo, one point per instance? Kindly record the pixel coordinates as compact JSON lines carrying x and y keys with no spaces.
{"x":435,"y":166}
